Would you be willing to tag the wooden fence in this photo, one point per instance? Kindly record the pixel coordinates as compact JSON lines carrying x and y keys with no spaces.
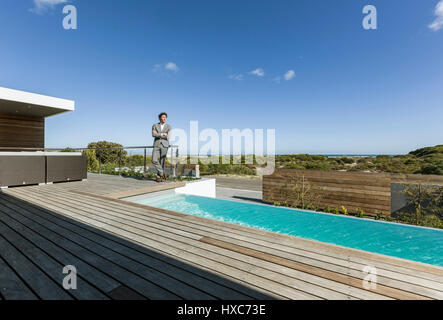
{"x":370,"y":192}
{"x":18,"y":131}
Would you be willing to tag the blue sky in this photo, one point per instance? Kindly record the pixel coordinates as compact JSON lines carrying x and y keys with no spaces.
{"x":351,"y":90}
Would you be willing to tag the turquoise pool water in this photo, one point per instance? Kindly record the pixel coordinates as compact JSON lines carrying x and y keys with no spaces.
{"x":402,"y":241}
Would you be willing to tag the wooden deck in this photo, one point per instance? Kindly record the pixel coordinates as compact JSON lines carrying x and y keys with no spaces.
{"x":124,"y":250}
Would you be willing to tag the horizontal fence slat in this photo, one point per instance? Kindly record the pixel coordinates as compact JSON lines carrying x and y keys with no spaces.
{"x":385,"y":196}
{"x":324,"y":197}
{"x":331,"y":187}
{"x":346,"y":180}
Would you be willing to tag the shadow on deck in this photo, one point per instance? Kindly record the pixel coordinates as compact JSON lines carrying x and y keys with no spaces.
{"x":37,"y":243}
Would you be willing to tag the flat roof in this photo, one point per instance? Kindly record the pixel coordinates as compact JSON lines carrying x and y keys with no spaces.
{"x":32,"y":104}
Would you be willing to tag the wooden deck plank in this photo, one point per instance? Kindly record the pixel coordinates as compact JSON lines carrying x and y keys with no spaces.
{"x":43,"y":286}
{"x":144,"y":190}
{"x":144,"y":271}
{"x":144,"y":287}
{"x":252,"y":291}
{"x":272,"y":267}
{"x":291,"y":244}
{"x":308,"y":285}
{"x":116,"y":186}
{"x":11,"y":286}
{"x":400,"y":265}
{"x":96,"y":188}
{"x":304,"y":284}
{"x":347,"y":266}
{"x":185,"y":276}
{"x":312,"y":289}
{"x":117,"y":237}
{"x":184,"y":250}
{"x":405,"y":296}
{"x":419,"y":287}
{"x":84,"y":270}
{"x":50,"y":266}
{"x":381,"y":289}
{"x":306,"y":256}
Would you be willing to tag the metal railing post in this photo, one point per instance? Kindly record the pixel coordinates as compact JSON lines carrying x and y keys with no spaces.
{"x":172,"y":162}
{"x":144,"y":162}
{"x":120,"y":162}
{"x":99,"y":163}
{"x":176,"y":159}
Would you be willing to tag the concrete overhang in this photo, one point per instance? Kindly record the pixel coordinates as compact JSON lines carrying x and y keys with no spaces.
{"x":32,"y":104}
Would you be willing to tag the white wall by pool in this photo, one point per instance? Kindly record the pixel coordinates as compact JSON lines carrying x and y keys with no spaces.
{"x":203,"y":188}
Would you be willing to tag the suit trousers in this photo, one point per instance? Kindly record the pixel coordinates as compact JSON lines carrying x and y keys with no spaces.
{"x":159,"y":159}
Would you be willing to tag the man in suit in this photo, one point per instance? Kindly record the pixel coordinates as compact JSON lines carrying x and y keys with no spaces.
{"x":160,"y":133}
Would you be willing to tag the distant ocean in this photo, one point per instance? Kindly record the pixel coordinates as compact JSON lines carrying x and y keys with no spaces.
{"x":355,"y":155}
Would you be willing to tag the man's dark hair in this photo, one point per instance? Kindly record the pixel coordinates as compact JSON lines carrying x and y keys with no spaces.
{"x":161,"y":114}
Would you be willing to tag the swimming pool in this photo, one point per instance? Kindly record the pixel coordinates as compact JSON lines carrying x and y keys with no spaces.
{"x":402,"y":241}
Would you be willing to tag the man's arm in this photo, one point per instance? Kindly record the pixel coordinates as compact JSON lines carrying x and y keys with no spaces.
{"x":165,"y":135}
{"x":155,"y":134}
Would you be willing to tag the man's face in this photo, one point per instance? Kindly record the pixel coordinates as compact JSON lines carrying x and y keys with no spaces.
{"x":163,"y":119}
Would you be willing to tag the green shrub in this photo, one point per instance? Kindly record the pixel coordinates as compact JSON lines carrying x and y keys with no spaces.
{"x":347,"y":160}
{"x":317,"y":165}
{"x":433,"y":168}
{"x":427,"y":151}
{"x":93,"y":164}
{"x":108,"y":155}
{"x":109,"y":168}
{"x":134,"y":160}
{"x":360,"y":213}
{"x":294,"y":166}
{"x":237,"y":169}
{"x":432,"y":221}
